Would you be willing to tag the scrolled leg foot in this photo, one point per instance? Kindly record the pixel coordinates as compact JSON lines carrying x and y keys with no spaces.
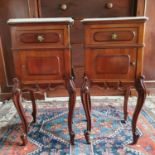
{"x":135,"y":139}
{"x":87,"y":136}
{"x":72,"y":137}
{"x":24,"y":140}
{"x":123,"y":121}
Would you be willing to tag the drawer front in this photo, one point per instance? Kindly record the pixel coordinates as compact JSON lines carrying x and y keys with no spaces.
{"x":85,"y":8}
{"x":39,"y":66}
{"x":37,"y":37}
{"x":111,"y":64}
{"x":111,"y":36}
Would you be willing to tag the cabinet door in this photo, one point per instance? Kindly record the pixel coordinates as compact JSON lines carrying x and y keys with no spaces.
{"x":111,"y":64}
{"x":42,"y":66}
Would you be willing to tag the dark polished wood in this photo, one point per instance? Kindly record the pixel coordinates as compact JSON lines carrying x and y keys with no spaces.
{"x":149,"y":61}
{"x":84,"y":9}
{"x":141,"y":7}
{"x":32,"y":98}
{"x":86,"y":102}
{"x":33,"y":8}
{"x":141,"y":99}
{"x":42,"y":59}
{"x":79,"y":9}
{"x":20,"y":110}
{"x":3,"y":81}
{"x":126,"y":97}
{"x":113,"y":61}
{"x":10,"y":9}
{"x":99,"y":8}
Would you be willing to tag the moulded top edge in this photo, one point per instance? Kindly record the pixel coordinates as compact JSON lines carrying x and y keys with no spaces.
{"x":114,"y":19}
{"x":40,"y":20}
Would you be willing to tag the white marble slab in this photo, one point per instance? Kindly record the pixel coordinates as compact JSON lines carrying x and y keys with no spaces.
{"x":113,"y":19}
{"x":39,"y":20}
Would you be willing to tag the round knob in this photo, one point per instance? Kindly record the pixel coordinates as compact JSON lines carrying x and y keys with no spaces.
{"x":133,"y":63}
{"x":109,"y":5}
{"x":114,"y":36}
{"x":40,"y":38}
{"x":63,"y":7}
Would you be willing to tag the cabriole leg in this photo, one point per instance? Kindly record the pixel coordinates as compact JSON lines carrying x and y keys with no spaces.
{"x":141,"y":98}
{"x":125,"y":107}
{"x":34,"y":107}
{"x":72,"y":99}
{"x":20,"y":110}
{"x":85,"y":98}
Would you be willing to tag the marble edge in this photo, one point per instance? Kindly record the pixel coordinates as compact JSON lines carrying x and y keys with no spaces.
{"x":113,"y":19}
{"x":39,"y":20}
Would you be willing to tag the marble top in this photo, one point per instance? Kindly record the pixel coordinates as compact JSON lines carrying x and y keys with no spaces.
{"x":113,"y":19}
{"x":39,"y":20}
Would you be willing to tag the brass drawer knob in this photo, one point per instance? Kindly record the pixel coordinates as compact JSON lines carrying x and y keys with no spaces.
{"x":114,"y":36}
{"x":40,"y":38}
{"x":109,"y":5}
{"x":63,"y":7}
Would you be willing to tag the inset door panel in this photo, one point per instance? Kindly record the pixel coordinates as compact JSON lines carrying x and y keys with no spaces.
{"x":111,"y":64}
{"x":39,"y":65}
{"x":43,"y":65}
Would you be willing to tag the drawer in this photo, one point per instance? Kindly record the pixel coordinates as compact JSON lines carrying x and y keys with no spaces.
{"x":111,"y":64}
{"x":86,"y":8}
{"x":107,"y":36}
{"x":42,"y":66}
{"x":40,"y":38}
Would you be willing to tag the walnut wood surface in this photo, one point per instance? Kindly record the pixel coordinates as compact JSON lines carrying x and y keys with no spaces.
{"x":42,"y":63}
{"x":115,"y":63}
{"x":149,"y":61}
{"x":111,"y":63}
{"x":81,"y":9}
{"x":10,"y":9}
{"x":2,"y":68}
{"x":42,"y":8}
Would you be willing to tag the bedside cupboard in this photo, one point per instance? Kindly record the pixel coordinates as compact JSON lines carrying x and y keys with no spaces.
{"x":113,"y":49}
{"x":42,"y":57}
